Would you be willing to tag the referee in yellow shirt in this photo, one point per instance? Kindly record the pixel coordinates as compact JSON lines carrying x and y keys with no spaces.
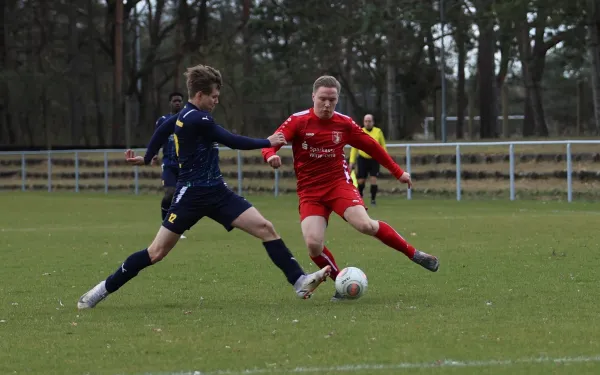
{"x":367,"y":166}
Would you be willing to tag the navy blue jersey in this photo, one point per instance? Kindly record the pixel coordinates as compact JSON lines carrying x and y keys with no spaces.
{"x":196,"y":145}
{"x":169,"y":154}
{"x":197,"y":151}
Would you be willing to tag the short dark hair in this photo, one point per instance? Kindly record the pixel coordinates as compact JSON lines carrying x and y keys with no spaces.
{"x":202,"y":78}
{"x":327,"y":81}
{"x":171,"y":95}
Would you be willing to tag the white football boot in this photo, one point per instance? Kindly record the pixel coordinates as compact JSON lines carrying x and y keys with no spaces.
{"x":93,"y":296}
{"x":306,"y":284}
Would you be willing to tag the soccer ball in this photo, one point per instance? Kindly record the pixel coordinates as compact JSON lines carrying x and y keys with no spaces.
{"x":351,"y":283}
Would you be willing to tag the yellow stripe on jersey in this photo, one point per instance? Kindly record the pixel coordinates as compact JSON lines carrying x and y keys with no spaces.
{"x":376,"y":134}
{"x":176,"y":140}
{"x":179,"y":123}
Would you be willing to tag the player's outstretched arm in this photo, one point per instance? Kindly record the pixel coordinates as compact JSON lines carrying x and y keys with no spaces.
{"x":288,"y":129}
{"x":160,"y":136}
{"x":240,"y":142}
{"x":366,"y":143}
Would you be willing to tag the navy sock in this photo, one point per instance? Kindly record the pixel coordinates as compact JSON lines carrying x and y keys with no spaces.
{"x":283,"y":258}
{"x":128,"y":270}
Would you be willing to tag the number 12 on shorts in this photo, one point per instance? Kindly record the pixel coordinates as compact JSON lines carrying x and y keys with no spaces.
{"x":172,"y":218}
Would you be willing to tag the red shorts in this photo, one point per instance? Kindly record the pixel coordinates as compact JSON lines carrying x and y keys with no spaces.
{"x":334,"y":199}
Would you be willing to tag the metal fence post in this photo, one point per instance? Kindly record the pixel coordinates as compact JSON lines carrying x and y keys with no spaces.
{"x":276,"y":182}
{"x":105,"y":172}
{"x":136,"y":173}
{"x":569,"y":174}
{"x":239,"y":172}
{"x":76,"y":172}
{"x":458,"y":173}
{"x":49,"y":171}
{"x":23,"y":172}
{"x":408,"y":169}
{"x":511,"y":160}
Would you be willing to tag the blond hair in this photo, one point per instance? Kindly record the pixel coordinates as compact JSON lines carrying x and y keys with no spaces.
{"x":327,"y":81}
{"x":202,"y":78}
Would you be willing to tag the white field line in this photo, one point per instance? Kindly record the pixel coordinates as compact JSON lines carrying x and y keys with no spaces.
{"x":448,"y":363}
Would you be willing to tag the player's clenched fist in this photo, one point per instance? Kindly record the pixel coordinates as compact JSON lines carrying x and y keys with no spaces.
{"x":274,"y":161}
{"x":277,"y":139}
{"x":406,"y":179}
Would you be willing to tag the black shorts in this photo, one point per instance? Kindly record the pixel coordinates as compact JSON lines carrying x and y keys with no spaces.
{"x":367,"y":167}
{"x":192,"y":203}
{"x":169,"y":175}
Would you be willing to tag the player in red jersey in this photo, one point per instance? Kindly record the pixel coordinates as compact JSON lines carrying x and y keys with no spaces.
{"x":318,"y":136}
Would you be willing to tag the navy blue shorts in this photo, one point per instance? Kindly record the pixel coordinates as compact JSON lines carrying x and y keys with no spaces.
{"x":169,"y":175}
{"x":192,"y":203}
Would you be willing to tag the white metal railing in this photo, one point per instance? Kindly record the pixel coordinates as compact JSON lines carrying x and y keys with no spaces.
{"x":408,"y":147}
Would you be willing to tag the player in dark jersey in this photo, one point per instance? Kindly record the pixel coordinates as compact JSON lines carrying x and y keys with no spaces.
{"x":202,"y":192}
{"x":169,"y":165}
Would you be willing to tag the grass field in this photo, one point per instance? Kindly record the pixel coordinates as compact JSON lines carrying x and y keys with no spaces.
{"x":516,"y":292}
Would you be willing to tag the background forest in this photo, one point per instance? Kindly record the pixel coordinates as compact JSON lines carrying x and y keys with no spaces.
{"x":88,"y":73}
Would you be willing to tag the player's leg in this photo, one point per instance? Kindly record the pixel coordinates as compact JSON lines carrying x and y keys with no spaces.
{"x":163,"y":243}
{"x":165,"y":203}
{"x":313,"y":231}
{"x":236,"y":212}
{"x":357,"y":217}
{"x":348,"y":204}
{"x":374,"y":172}
{"x":361,"y":174}
{"x":179,"y":218}
{"x":169,"y":180}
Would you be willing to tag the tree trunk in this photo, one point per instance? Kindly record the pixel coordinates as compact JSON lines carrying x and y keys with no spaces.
{"x":72,"y":86}
{"x":524,"y":43}
{"x":487,"y":76}
{"x":528,"y":121}
{"x":179,"y":50}
{"x":7,"y":65}
{"x":118,"y":77}
{"x":594,"y":51}
{"x":100,"y":126}
{"x":533,"y":62}
{"x":392,"y":119}
{"x":461,"y":102}
{"x":537,"y":105}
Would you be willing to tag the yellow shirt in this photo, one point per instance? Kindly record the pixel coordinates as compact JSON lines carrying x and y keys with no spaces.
{"x":377,"y":134}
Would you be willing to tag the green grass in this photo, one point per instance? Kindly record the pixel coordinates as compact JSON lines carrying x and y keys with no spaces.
{"x":517,"y":280}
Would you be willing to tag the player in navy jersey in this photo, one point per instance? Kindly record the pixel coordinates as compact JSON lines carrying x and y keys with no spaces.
{"x":201,"y":191}
{"x":169,"y":165}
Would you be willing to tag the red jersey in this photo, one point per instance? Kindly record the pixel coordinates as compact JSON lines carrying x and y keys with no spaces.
{"x":318,"y":147}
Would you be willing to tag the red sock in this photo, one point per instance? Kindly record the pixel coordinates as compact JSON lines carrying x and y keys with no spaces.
{"x":327,"y":259}
{"x":390,"y":237}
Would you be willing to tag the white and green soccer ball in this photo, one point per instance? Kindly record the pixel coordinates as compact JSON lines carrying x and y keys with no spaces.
{"x":351,"y":283}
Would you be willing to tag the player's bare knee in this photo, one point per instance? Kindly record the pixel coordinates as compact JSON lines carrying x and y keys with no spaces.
{"x":314,"y":245}
{"x":366,"y":226}
{"x":267,"y":231}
